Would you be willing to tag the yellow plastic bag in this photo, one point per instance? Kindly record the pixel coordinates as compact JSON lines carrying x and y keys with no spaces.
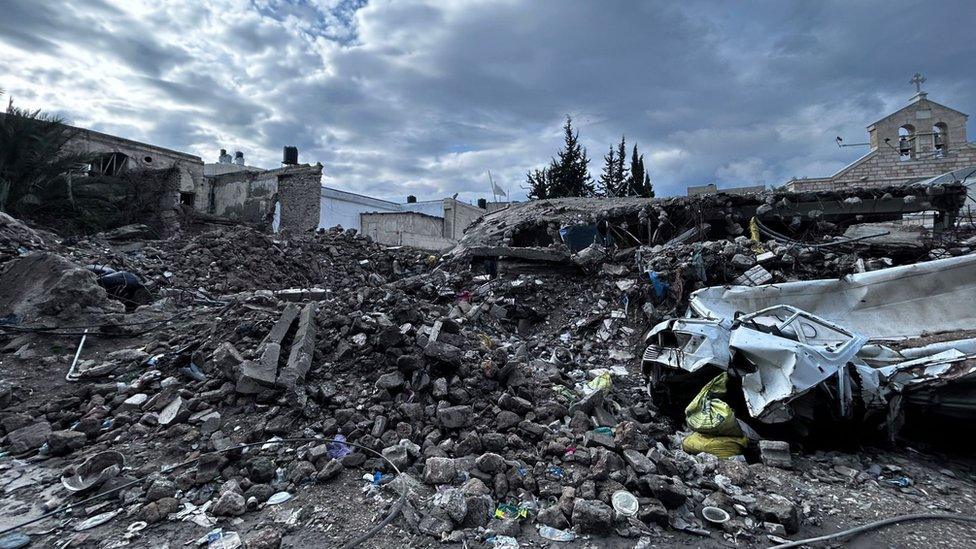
{"x":602,"y":382}
{"x":757,"y":246}
{"x":708,"y":414}
{"x":721,"y":446}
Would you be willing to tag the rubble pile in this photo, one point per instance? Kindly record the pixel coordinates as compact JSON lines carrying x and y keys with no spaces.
{"x":321,"y":382}
{"x":231,"y":260}
{"x":16,"y":238}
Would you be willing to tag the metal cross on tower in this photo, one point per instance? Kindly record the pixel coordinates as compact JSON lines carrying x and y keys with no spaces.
{"x":918,"y":80}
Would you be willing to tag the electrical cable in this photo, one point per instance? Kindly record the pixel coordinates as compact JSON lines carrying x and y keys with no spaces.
{"x":397,"y":508}
{"x":783,"y":238}
{"x":875,"y":525}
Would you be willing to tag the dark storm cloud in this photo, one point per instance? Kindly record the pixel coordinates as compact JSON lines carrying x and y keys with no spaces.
{"x":422,"y":98}
{"x":93,"y":25}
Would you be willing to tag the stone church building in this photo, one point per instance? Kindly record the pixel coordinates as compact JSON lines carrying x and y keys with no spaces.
{"x":922,"y":140}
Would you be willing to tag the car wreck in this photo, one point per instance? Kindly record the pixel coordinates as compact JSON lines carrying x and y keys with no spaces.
{"x":794,"y":366}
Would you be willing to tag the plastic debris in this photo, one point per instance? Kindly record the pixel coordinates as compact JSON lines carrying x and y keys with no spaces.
{"x":193,"y":372}
{"x":503,"y":542}
{"x":901,"y":482}
{"x":715,"y":515}
{"x":507,"y":510}
{"x":278,"y":498}
{"x":659,"y":284}
{"x":218,"y":539}
{"x":94,"y":471}
{"x":338,"y":449}
{"x":555,"y":534}
{"x":96,"y":520}
{"x":624,"y":503}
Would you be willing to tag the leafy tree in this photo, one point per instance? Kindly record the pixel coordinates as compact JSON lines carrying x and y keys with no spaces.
{"x":33,"y":158}
{"x":568,"y":174}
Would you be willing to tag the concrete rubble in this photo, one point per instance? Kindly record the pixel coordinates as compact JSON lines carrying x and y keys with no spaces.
{"x":296,"y":391}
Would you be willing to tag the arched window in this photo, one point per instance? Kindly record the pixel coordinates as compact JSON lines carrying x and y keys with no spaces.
{"x":940,"y":139}
{"x":906,"y":142}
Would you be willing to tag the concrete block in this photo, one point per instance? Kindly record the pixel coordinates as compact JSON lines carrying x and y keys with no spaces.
{"x":302,"y":350}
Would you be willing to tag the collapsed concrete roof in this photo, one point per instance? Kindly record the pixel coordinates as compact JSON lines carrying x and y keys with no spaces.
{"x":531,"y":229}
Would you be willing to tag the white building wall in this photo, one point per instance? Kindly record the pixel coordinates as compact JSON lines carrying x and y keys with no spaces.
{"x":343,"y":208}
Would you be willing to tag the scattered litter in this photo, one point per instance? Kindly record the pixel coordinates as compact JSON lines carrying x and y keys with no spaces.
{"x":337,"y":448}
{"x":715,"y":515}
{"x":624,"y":503}
{"x":96,"y":520}
{"x":555,"y":534}
{"x":218,"y":539}
{"x":279,"y":498}
{"x":503,"y":542}
{"x":94,"y":471}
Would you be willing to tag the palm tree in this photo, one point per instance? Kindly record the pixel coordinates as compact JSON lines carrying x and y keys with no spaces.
{"x":33,"y":157}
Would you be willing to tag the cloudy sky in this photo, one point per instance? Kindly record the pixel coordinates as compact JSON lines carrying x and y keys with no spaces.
{"x":412,"y":97}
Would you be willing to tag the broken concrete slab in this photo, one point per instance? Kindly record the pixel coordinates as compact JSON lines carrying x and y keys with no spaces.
{"x":281,"y":327}
{"x":302,"y":349}
{"x":776,"y":453}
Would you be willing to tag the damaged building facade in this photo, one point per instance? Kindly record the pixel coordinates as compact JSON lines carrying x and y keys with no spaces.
{"x":282,"y":198}
{"x":290,"y":197}
{"x":115,"y":156}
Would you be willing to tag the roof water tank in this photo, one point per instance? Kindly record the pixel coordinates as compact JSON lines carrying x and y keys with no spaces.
{"x":411,"y":199}
{"x":289,"y":155}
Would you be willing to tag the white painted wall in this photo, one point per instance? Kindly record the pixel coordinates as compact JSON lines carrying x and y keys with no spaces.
{"x":343,"y":208}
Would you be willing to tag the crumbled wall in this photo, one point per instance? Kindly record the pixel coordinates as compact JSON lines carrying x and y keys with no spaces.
{"x":145,"y":157}
{"x":251,"y":196}
{"x":243,"y":196}
{"x":97,"y":203}
{"x":299,"y":191}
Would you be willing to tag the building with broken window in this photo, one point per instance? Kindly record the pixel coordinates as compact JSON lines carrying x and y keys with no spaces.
{"x":115,"y":156}
{"x":228,"y":190}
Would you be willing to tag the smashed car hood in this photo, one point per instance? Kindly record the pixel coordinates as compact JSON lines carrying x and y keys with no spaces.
{"x":792,"y":352}
{"x":902,"y":301}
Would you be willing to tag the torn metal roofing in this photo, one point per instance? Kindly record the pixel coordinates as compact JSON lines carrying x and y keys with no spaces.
{"x":902,"y":301}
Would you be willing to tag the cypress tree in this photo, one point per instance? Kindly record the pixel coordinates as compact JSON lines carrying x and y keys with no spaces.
{"x":608,"y":183}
